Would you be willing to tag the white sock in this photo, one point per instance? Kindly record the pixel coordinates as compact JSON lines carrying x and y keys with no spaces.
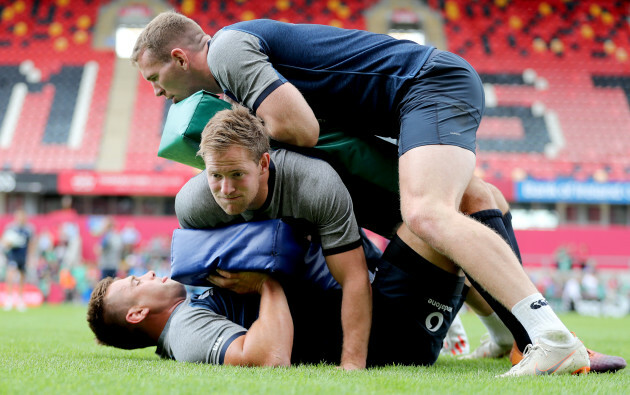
{"x":499,"y":333}
{"x":539,"y":320}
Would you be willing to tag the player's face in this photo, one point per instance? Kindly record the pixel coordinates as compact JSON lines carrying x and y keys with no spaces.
{"x":148,"y":290}
{"x":236,"y":180}
{"x":168,"y":79}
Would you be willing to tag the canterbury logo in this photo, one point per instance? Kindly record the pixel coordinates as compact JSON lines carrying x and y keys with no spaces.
{"x":552,"y":369}
{"x":538,"y":304}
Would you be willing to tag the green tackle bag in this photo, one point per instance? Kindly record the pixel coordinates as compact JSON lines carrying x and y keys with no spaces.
{"x":184,"y":124}
{"x":367,"y":165}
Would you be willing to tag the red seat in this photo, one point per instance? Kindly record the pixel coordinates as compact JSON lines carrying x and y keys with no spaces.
{"x":594,"y":120}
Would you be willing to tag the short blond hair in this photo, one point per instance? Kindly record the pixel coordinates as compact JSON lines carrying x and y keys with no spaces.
{"x":234,"y":127}
{"x":163,"y":33}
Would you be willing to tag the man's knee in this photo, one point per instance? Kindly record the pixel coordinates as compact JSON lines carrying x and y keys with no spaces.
{"x":427,"y":219}
{"x":499,"y":198}
{"x":478,"y":196}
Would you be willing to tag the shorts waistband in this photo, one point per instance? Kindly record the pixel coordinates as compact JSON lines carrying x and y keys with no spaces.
{"x":433,"y":55}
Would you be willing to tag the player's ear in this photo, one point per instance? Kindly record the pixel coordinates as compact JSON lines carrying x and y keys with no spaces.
{"x":136,"y":314}
{"x":180,"y":58}
{"x":265,"y":159}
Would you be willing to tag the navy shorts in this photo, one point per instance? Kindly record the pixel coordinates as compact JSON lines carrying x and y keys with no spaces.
{"x":414,"y":304}
{"x":443,"y":105}
{"x":19,"y":264}
{"x":108,"y":273}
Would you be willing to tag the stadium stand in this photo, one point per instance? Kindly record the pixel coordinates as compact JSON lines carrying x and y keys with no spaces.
{"x":146,"y":123}
{"x":549,"y":64}
{"x":48,"y":55}
{"x":556,"y":71}
{"x":49,"y":72}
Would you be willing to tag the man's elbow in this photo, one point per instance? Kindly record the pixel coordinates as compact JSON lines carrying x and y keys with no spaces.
{"x":308,"y":141}
{"x":302,"y":134}
{"x":304,"y":138}
{"x":311,"y":134}
{"x":278,"y":360}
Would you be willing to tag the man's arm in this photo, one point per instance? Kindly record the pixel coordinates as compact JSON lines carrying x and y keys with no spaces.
{"x":288,"y":117}
{"x":241,"y":68}
{"x":350,"y":270}
{"x":269,"y":340}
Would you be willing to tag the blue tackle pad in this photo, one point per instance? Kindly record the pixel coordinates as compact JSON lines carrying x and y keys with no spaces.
{"x":271,"y":246}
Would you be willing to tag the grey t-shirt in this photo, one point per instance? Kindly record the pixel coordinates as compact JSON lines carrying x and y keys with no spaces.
{"x":300,"y":187}
{"x":255,"y":71}
{"x":196,"y":334}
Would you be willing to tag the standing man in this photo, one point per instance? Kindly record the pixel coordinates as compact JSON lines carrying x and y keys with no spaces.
{"x":17,"y":240}
{"x":365,"y":83}
{"x":109,"y":249}
{"x":244,"y":182}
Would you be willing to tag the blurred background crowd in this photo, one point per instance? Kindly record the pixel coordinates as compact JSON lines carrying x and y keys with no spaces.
{"x":62,"y":257}
{"x":66,"y":254}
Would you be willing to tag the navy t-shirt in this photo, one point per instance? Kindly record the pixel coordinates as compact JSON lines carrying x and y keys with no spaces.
{"x":348,"y":77}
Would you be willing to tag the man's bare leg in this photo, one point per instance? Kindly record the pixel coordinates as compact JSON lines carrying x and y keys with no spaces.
{"x":486,"y":204}
{"x":432,"y":182}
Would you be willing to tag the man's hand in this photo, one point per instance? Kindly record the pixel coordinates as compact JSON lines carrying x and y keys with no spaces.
{"x":239,"y":282}
{"x":350,"y":270}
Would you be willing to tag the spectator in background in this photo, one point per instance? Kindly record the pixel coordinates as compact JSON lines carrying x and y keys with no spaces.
{"x":130,"y":238}
{"x":47,"y":268}
{"x":590,"y":282}
{"x":17,"y":243}
{"x":564,"y":260}
{"x":571,"y":293}
{"x":46,"y":245}
{"x":581,"y":255}
{"x":70,"y":237}
{"x":109,"y":249}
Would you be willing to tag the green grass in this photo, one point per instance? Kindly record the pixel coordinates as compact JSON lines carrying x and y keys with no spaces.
{"x":51,"y":350}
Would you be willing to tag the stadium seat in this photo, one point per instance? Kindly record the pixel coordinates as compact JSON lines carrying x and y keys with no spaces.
{"x":578,"y":54}
{"x":46,"y":46}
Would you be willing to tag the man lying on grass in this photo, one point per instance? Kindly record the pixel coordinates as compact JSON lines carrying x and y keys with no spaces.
{"x":261,"y":322}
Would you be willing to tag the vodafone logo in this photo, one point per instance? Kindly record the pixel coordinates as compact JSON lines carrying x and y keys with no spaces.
{"x":83,"y":182}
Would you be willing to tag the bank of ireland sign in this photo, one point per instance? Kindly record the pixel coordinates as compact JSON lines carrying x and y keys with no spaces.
{"x":571,"y":191}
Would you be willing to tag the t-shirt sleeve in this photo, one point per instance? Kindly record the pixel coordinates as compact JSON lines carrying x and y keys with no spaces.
{"x":242,"y":70}
{"x":200,"y":335}
{"x":324,"y":201}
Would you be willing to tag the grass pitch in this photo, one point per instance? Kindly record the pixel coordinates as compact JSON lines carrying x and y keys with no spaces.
{"x":51,"y":350}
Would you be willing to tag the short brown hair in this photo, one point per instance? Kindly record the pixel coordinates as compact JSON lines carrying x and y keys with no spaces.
{"x":236,"y":126}
{"x":159,"y":36}
{"x":110,"y":326}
